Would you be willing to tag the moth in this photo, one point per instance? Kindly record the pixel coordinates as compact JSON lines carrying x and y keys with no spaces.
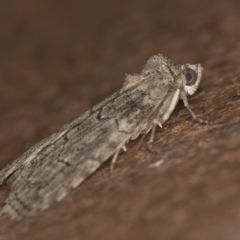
{"x":51,"y":168}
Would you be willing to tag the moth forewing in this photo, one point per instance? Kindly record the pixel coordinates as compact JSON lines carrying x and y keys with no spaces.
{"x":62,"y":161}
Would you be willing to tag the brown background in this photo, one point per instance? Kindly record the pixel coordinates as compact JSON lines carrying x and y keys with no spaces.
{"x":59,"y":58}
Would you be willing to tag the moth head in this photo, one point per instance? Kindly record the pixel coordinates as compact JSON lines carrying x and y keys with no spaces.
{"x":191,"y":75}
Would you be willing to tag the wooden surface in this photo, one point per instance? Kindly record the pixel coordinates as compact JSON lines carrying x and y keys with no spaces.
{"x":59,"y":58}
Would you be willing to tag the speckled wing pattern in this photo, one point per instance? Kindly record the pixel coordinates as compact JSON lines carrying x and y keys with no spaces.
{"x":62,"y":161}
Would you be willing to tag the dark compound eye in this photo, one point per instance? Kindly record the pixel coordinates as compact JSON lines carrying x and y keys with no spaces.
{"x":190,"y":76}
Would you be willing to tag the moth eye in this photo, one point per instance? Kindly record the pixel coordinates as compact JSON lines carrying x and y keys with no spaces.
{"x":190,"y":76}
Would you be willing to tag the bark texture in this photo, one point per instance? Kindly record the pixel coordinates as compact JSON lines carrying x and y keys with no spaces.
{"x":60,"y":58}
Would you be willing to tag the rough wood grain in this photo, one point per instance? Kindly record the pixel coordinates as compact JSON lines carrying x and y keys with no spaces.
{"x":67,"y":56}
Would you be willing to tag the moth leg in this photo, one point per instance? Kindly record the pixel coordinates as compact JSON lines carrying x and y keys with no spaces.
{"x":124,"y":148}
{"x":155,"y":124}
{"x":151,"y":140}
{"x":186,"y":104}
{"x":113,"y":161}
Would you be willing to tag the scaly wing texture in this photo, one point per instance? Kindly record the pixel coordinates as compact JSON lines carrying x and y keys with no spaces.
{"x":51,"y":168}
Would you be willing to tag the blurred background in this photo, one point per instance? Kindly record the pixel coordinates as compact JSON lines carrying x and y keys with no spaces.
{"x":59,"y":58}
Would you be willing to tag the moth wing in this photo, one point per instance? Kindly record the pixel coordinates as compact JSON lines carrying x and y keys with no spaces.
{"x":48,"y":170}
{"x":13,"y":168}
